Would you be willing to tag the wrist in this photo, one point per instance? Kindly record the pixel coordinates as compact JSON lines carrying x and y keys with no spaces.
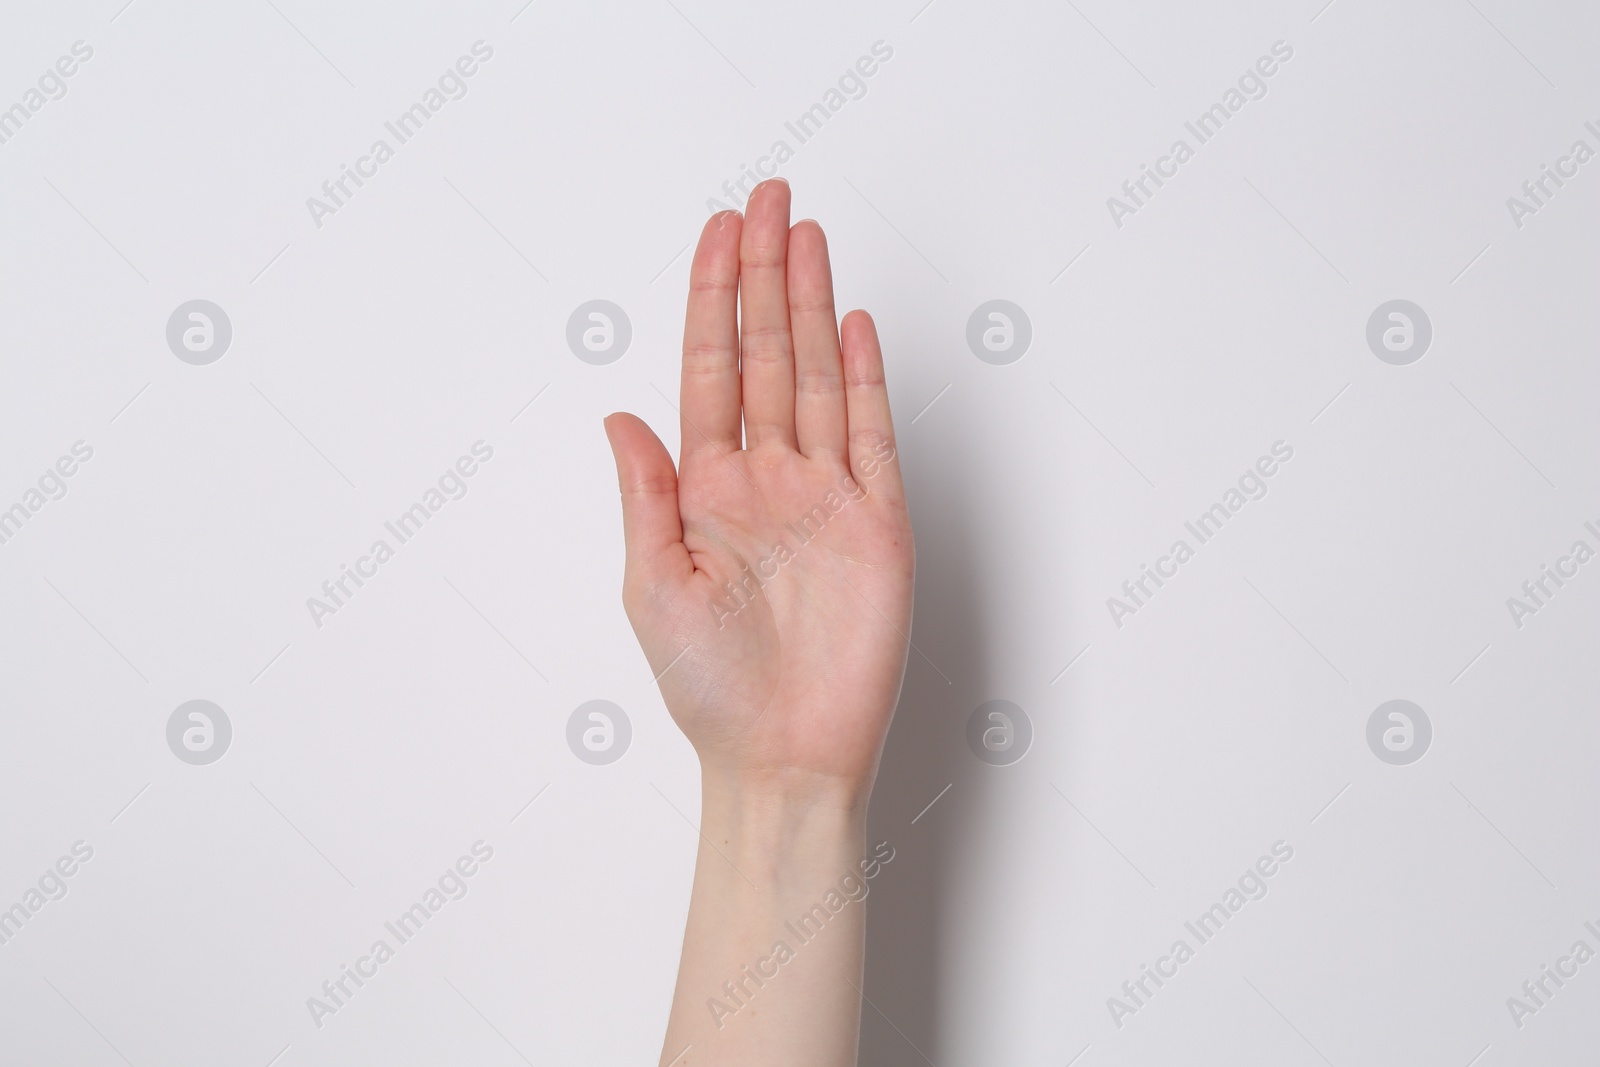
{"x":776,"y":794}
{"x":785,"y":831}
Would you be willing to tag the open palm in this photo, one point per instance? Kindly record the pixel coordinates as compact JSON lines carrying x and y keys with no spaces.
{"x":769,"y":577}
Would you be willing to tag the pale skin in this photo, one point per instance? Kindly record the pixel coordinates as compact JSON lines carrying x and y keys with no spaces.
{"x":786,"y":683}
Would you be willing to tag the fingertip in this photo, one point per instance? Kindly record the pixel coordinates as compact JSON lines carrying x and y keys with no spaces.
{"x":775,"y":190}
{"x":809,"y":269}
{"x":767,"y":212}
{"x":863,"y":355}
{"x":722,"y":229}
{"x":857,"y":325}
{"x":808,"y":233}
{"x":626,"y":432}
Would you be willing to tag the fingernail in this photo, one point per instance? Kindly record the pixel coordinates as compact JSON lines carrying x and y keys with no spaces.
{"x":725,"y":217}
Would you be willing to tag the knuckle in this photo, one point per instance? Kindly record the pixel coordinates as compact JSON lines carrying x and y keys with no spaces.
{"x":870,"y":439}
{"x":818,"y":381}
{"x":811,"y":304}
{"x":716,"y":282}
{"x":653,"y":484}
{"x":763,"y":250}
{"x":768,"y":344}
{"x":701,"y":356}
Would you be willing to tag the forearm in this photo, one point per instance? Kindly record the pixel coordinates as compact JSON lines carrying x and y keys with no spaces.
{"x":772,"y":954}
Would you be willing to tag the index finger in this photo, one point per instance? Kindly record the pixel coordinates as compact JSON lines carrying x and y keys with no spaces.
{"x":709,"y":385}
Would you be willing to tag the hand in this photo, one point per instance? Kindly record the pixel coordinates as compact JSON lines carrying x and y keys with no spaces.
{"x":770,"y":585}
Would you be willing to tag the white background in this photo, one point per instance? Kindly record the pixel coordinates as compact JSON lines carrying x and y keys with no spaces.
{"x":372,"y":351}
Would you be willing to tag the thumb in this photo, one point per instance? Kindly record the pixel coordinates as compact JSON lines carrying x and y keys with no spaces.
{"x":651,"y":527}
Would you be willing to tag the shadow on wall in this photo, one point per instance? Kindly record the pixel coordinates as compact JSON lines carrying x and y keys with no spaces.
{"x":946,"y":676}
